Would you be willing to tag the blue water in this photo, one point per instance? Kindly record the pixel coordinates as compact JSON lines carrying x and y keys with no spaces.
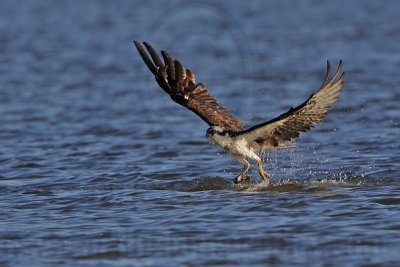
{"x":98,"y":167}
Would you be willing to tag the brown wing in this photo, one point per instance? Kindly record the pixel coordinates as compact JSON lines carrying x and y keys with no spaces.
{"x":180,"y":84}
{"x":300,"y":119}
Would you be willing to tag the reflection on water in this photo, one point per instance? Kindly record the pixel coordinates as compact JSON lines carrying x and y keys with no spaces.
{"x":99,"y":167}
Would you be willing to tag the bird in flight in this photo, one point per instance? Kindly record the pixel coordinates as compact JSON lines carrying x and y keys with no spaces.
{"x":226,"y":130}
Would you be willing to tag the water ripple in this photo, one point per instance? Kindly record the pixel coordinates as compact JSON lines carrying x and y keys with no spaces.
{"x":99,"y":167}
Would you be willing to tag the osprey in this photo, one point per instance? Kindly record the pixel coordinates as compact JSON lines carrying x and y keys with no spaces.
{"x":226,"y":130}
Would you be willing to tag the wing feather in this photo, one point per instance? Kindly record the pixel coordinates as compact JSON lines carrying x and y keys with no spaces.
{"x":154,"y":55}
{"x":180,"y":84}
{"x":302,"y":118}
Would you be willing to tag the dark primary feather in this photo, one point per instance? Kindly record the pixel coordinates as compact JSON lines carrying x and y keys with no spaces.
{"x":180,"y":84}
{"x":290,"y":124}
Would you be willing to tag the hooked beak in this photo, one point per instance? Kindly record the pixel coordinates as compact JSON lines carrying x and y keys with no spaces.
{"x":209,"y":133}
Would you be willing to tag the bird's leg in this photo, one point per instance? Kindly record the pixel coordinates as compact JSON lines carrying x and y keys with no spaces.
{"x":264,"y":174}
{"x":246,"y":166}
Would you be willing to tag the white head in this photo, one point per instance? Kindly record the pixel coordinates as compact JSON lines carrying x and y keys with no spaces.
{"x":215,"y":130}
{"x":215,"y":133}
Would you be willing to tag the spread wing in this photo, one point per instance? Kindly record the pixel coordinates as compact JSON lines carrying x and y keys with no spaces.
{"x":180,"y":84}
{"x":301,"y":118}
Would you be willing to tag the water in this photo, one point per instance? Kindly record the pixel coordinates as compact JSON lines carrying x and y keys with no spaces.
{"x":99,"y":168}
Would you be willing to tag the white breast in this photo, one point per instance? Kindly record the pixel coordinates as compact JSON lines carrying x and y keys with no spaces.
{"x":224,"y":141}
{"x":233,"y":145}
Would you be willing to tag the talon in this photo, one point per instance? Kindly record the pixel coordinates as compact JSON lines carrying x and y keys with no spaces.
{"x":241,"y":178}
{"x":265,"y":175}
